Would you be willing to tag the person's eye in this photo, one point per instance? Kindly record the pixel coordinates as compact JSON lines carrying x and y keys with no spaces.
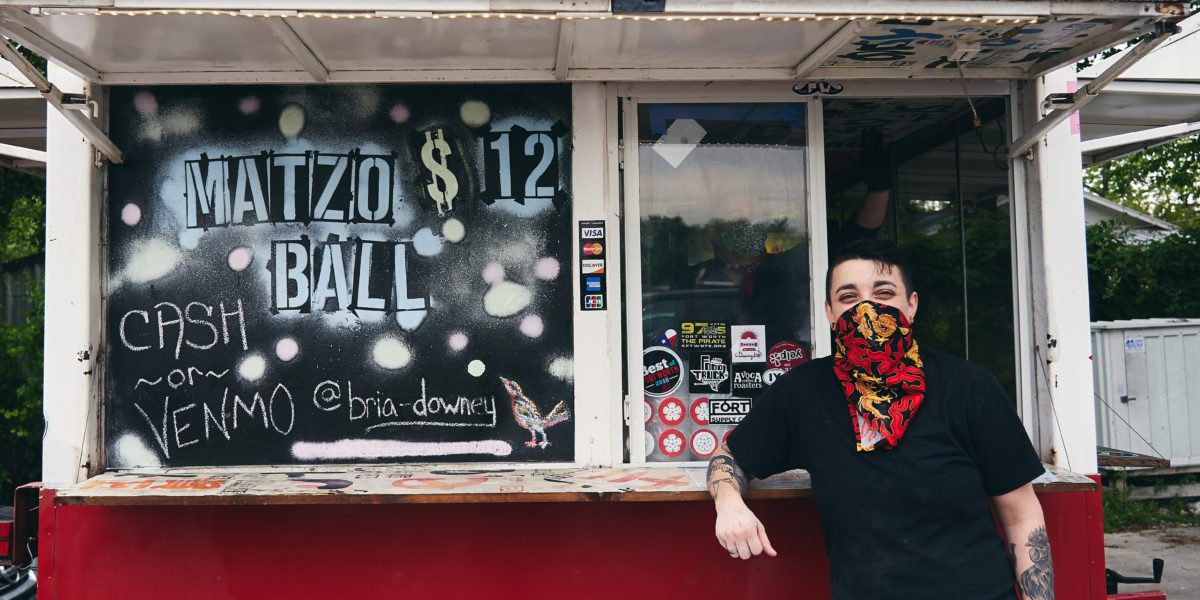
{"x":885,"y":293}
{"x":846,"y":298}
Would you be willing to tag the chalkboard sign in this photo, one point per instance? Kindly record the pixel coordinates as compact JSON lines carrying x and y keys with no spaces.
{"x":303,"y":274}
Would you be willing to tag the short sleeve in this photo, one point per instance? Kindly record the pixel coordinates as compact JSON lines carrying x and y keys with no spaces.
{"x":762,"y":443}
{"x":1001,"y":448}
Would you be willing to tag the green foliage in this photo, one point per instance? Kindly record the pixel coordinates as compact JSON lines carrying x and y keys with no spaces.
{"x":22,"y":235}
{"x":1162,"y":181}
{"x":1123,"y":514}
{"x":1131,"y":280}
{"x":21,"y":398}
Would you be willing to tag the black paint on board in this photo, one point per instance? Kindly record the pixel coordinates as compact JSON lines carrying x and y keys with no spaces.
{"x":245,"y":326}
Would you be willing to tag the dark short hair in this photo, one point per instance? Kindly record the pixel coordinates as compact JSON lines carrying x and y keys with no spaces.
{"x":885,"y":254}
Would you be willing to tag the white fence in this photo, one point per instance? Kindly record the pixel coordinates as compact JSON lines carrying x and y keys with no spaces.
{"x":1147,"y":376}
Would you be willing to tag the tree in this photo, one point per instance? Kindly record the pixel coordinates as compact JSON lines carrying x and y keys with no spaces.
{"x":22,"y":235}
{"x":1131,"y":280}
{"x":1162,"y":181}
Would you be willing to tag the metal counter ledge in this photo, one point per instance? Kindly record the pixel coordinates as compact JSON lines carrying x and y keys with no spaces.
{"x":401,"y":485}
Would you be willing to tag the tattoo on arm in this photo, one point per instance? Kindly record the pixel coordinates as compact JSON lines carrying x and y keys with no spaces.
{"x":722,"y":469}
{"x":1037,"y":582}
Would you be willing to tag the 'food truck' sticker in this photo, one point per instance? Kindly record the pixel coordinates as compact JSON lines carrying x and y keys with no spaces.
{"x":710,"y":373}
{"x":662,"y":371}
{"x":728,"y":411}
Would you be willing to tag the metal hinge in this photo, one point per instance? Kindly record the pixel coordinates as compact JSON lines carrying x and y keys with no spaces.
{"x":625,"y":409}
{"x":621,"y":155}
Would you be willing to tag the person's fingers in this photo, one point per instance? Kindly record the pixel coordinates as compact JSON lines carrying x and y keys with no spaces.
{"x":766,"y":543}
{"x":743,"y":550}
{"x":754,"y":543}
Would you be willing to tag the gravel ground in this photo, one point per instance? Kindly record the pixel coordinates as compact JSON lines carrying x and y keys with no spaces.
{"x":1130,"y":554}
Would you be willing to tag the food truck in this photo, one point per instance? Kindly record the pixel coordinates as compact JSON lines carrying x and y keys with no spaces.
{"x":455,"y":299}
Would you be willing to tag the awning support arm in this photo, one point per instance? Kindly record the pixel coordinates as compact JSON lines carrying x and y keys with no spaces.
{"x":298,"y":48}
{"x":55,"y":98}
{"x":1087,"y":93}
{"x":566,"y":43}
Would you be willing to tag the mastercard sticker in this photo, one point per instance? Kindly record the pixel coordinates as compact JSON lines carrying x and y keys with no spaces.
{"x":593,"y":249}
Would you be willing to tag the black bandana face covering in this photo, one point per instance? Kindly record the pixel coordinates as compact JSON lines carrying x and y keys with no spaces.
{"x":877,"y":362}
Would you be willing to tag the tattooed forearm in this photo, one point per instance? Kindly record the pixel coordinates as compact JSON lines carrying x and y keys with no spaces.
{"x":723,"y":470}
{"x":1037,"y":582}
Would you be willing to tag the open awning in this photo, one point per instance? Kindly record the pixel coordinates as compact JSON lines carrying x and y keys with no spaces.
{"x":277,"y":41}
{"x":22,"y":123}
{"x":1152,"y":103}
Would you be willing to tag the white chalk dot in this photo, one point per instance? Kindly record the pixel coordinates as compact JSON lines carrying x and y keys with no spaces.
{"x":145,"y":103}
{"x":493,"y":273}
{"x":506,"y":299}
{"x":399,"y":114}
{"x":562,"y":368}
{"x":131,"y":214}
{"x":426,"y":243}
{"x":532,"y":326}
{"x":458,"y":341}
{"x":291,"y":120}
{"x":453,"y":230}
{"x":286,"y":349}
{"x":475,"y":113}
{"x":546,"y":268}
{"x":391,"y":353}
{"x":252,"y":367}
{"x":476,"y":368}
{"x":240,"y":258}
{"x":249,"y":105}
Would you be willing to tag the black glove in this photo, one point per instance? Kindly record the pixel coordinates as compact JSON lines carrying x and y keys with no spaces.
{"x":874,"y":161}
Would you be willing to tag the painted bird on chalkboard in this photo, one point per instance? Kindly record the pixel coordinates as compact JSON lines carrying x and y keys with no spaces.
{"x":529,"y":417}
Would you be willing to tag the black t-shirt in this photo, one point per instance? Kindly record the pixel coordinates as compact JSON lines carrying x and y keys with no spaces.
{"x":913,"y":522}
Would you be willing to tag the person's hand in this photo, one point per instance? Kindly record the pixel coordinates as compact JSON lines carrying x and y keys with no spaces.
{"x":873,"y":161}
{"x":739,"y":531}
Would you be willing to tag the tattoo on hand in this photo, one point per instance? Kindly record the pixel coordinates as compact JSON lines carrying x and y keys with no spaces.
{"x":1037,"y":582}
{"x":723,"y":469}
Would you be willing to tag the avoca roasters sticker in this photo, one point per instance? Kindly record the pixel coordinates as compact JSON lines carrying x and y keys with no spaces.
{"x":662,"y":371}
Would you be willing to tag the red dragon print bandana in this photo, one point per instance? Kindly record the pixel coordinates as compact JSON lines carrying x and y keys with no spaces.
{"x":876,"y":360}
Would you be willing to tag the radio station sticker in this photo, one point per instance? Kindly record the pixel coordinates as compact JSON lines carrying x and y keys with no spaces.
{"x":748,"y":343}
{"x":710,"y":373}
{"x":662,"y":371}
{"x":592,"y":266}
{"x":704,"y":443}
{"x":728,"y":411}
{"x":747,"y":379}
{"x":703,"y":336}
{"x":671,"y":411}
{"x":671,"y":443}
{"x":786,"y":355}
{"x":700,"y":411}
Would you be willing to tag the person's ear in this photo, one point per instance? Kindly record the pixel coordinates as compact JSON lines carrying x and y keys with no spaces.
{"x":829,"y":314}
{"x":912,"y":307}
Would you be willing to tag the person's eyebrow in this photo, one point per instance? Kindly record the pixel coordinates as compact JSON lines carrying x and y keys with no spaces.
{"x":846,"y":286}
{"x":882,"y":282}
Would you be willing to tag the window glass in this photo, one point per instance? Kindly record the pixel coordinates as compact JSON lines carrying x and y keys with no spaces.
{"x":724,"y":265}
